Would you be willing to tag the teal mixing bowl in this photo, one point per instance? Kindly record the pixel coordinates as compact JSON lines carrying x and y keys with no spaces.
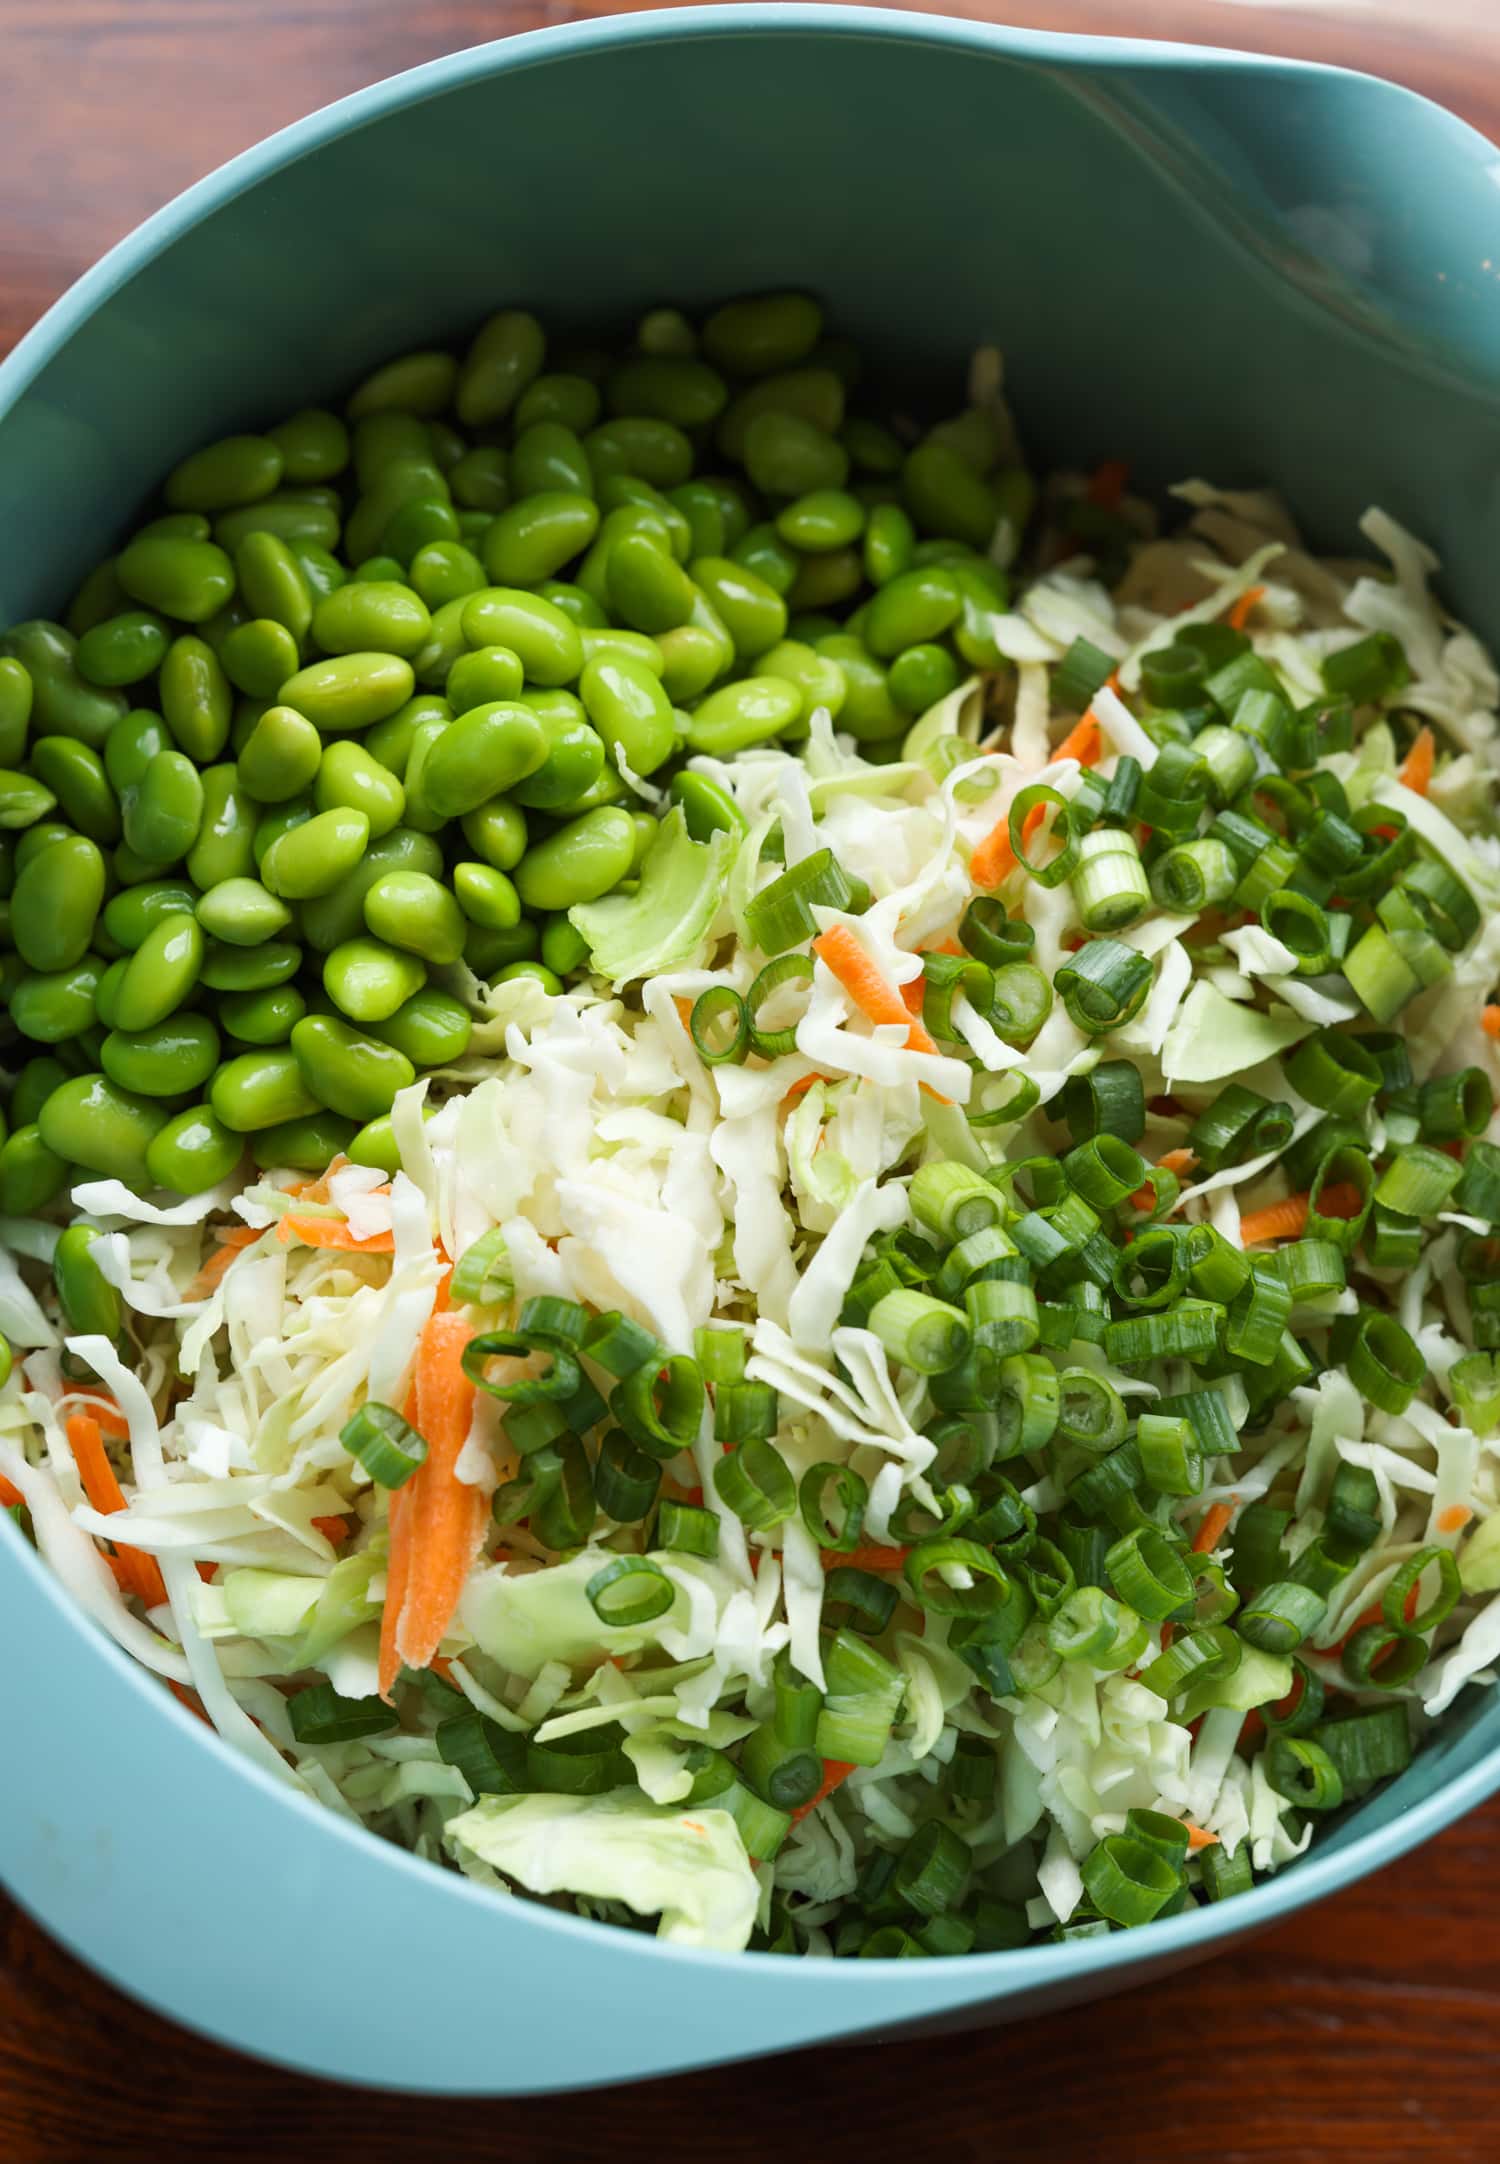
{"x":1210,"y":263}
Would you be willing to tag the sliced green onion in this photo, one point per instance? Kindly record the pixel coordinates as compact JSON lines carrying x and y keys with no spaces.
{"x":564,"y":1511}
{"x":745,"y":1412}
{"x":1215,"y":1269}
{"x":1418,"y":1180}
{"x":719,"y":1026}
{"x":990,"y":936}
{"x":989,"y":1587}
{"x":618,"y":1345}
{"x":1188,"y":1331}
{"x":1302,"y":926}
{"x":1281,"y":1616}
{"x":778,"y":976}
{"x":933,"y":1869}
{"x":1258,"y":1316}
{"x":588,"y":1763}
{"x":1303,"y":1772}
{"x":1149,"y":1573}
{"x":1083,"y":668}
{"x":1128,"y":1882}
{"x":971,"y":1258}
{"x":1109,"y":882}
{"x":786,"y":1775}
{"x":1197,"y":1656}
{"x":1334,"y":1072}
{"x":491,"y":1759}
{"x":1104,"y":985}
{"x":954,"y":1200}
{"x":320,"y":1715}
{"x":1002,"y":1315}
{"x":626,"y":1478}
{"x":1020,"y":1002}
{"x":1368,"y":1746}
{"x":863,"y":1697}
{"x":1040,"y":795}
{"x":1410,"y":1575}
{"x":1478,"y":1192}
{"x":1110,"y":1101}
{"x":1474,"y":1382}
{"x":629,"y":1590}
{"x":660,"y":1404}
{"x":1353,"y":1514}
{"x":688,"y":1528}
{"x":1152,"y":1271}
{"x":781,"y":915}
{"x":944,"y":978}
{"x":1450,"y":909}
{"x":1369,"y":669}
{"x":1170,"y":1456}
{"x":1456,"y":1107}
{"x":1238,"y":1124}
{"x":1384,"y":1363}
{"x":1018,"y":1094}
{"x":1194,"y":875}
{"x":1311,"y":1268}
{"x":1392,"y":1241}
{"x":853,"y":1494}
{"x":920,"y":1332}
{"x":755,"y":1484}
{"x":1379,"y":1658}
{"x":385,"y":1446}
{"x":482,"y":1275}
{"x":1324,"y":1564}
{"x":1091,"y":1626}
{"x":558,"y":1381}
{"x":719,"y":1349}
{"x":1222,"y":1875}
{"x":1090,"y":1411}
{"x":858,"y":1599}
{"x":1104,"y":1170}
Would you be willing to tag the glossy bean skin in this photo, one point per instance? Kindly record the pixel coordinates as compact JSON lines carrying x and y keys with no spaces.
{"x":582,"y":860}
{"x":235,"y":470}
{"x":56,"y":902}
{"x":35,"y":1083}
{"x":31,"y":1174}
{"x":328,"y":919}
{"x":308,"y":1144}
{"x":542,"y":636}
{"x":750,"y":609}
{"x":280,"y":757}
{"x":432,"y":1028}
{"x":248,"y":969}
{"x":445,"y":571}
{"x":371,"y":615}
{"x":824,"y":519}
{"x":242,"y":912}
{"x":91,"y":1121}
{"x":55,"y":1006}
{"x":79,"y":779}
{"x":506,"y":355}
{"x":172,"y":1060}
{"x":62,"y":702}
{"x":946,"y":497}
{"x":193,"y":1151}
{"x":347,"y":1071}
{"x":368,"y":980}
{"x":196,"y":699}
{"x":575,"y":754}
{"x":647,"y":587}
{"x":311,"y":859}
{"x":258,"y":656}
{"x":16,"y":700}
{"x":91,"y":1305}
{"x":769,"y":331}
{"x":225,"y":844}
{"x":486,"y":896}
{"x":161,"y":818}
{"x":813,"y":396}
{"x":486,"y":950}
{"x":160,"y":973}
{"x":444,"y":646}
{"x":706,"y":807}
{"x":569,"y":399}
{"x":630,"y":710}
{"x":548,"y":455}
{"x":272,"y":584}
{"x":922,"y":675}
{"x":124,"y":649}
{"x":348,"y":692}
{"x":261,"y":1089}
{"x":483,"y":676}
{"x":496,"y":832}
{"x":177,"y":575}
{"x":410,"y":910}
{"x":818,"y":678}
{"x":532,"y":540}
{"x":262,"y":1018}
{"x":750,"y":712}
{"x":130,"y":914}
{"x":480,"y":755}
{"x":131,"y":745}
{"x":349,"y":777}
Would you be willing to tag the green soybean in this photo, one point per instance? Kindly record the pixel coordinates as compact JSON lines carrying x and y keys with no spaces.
{"x":272,"y":584}
{"x":888,"y":545}
{"x":63,"y":703}
{"x":271,"y":825}
{"x":543,"y":638}
{"x":16,"y":696}
{"x":57,"y":898}
{"x":78,"y":778}
{"x":90,"y":1304}
{"x":196,"y":698}
{"x":750,"y":609}
{"x":946,"y":497}
{"x":479,"y":481}
{"x":582,"y":860}
{"x":345,"y":1070}
{"x":174,"y":1058}
{"x":243,"y":912}
{"x":91,"y":1121}
{"x":314,"y":445}
{"x":131,"y":745}
{"x":707,"y":808}
{"x":818,"y":678}
{"x":570,"y":399}
{"x":193,"y":1151}
{"x":631,"y":712}
{"x":409,"y":910}
{"x":308,"y":1144}
{"x":507,"y":353}
{"x":329,"y":919}
{"x":23,"y":799}
{"x":34,"y":1084}
{"x":480,"y":678}
{"x":261,"y":1089}
{"x":123,"y":649}
{"x":920,"y":676}
{"x":769,"y":331}
{"x":267,"y":1017}
{"x":827,"y":518}
{"x":258,"y":656}
{"x":868,"y":712}
{"x":233,"y":471}
{"x":129,"y":915}
{"x":481,"y":754}
{"x":445,"y":571}
{"x":312,"y":858}
{"x":160,"y":973}
{"x":750,"y":712}
{"x":368,"y":981}
{"x":225,"y":843}
{"x":532,"y":540}
{"x":280,"y":757}
{"x":432,"y":1028}
{"x":162,"y":816}
{"x":179,"y":576}
{"x":911,"y":609}
{"x":369,"y":614}
{"x":350,"y":778}
{"x":31,"y":1174}
{"x":486,"y":896}
{"x":812,"y":396}
{"x":349,"y":691}
{"x":248,"y":969}
{"x":496,"y":832}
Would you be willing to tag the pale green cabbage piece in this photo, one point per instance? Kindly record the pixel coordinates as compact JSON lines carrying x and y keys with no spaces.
{"x":1213,"y":1037}
{"x":688,"y":1866}
{"x":662,"y":925}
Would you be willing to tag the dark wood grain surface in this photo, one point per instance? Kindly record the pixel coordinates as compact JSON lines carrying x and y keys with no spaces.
{"x":1368,"y":2029}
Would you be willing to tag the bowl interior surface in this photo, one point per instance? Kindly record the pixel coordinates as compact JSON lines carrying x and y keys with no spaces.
{"x":1251,"y":271}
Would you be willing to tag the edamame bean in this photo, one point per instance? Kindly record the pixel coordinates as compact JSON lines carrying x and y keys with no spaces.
{"x":291,"y":517}
{"x":338,"y":915}
{"x":261,"y":1089}
{"x":260,"y":1018}
{"x":369,"y":614}
{"x":306,"y":1145}
{"x":445,"y":571}
{"x":946,"y":496}
{"x":91,"y":1121}
{"x":496,"y":832}
{"x":314,"y":446}
{"x":538,"y":972}
{"x":174,"y":1058}
{"x":346,"y":1070}
{"x":178,"y":576}
{"x":63,"y":703}
{"x":922,"y":675}
{"x":646,"y":585}
{"x":349,"y":691}
{"x":787,"y":456}
{"x":570,"y":399}
{"x":828,"y":518}
{"x":762,"y":550}
{"x":368,"y":981}
{"x":479,"y":755}
{"x":564,"y":948}
{"x":532,"y":540}
{"x":131,"y":746}
{"x":15,"y":711}
{"x":505,"y":356}
{"x":581,"y":861}
{"x":432,"y":1028}
{"x":313,"y":857}
{"x":123,"y":649}
{"x":271,"y":825}
{"x":480,"y":678}
{"x":868,"y":713}
{"x":479,"y":480}
{"x":323,"y":572}
{"x":109,"y":992}
{"x":349,"y":777}
{"x":486,"y":950}
{"x":225,"y":847}
{"x":818,"y":678}
{"x":409,"y":910}
{"x":824,"y":581}
{"x":630,"y":710}
{"x":706,"y":807}
{"x":549,"y":456}
{"x":390,"y":741}
{"x":617,"y":489}
{"x":575,"y":754}
{"x":243,"y":912}
{"x":161,"y":817}
{"x":233,"y":471}
{"x":100,"y":595}
{"x":911,"y":609}
{"x":35,"y":840}
{"x":57,"y":898}
{"x":196,"y":699}
{"x":445,"y":644}
{"x":280,"y":757}
{"x":750,"y":609}
{"x":249,"y":969}
{"x":130,"y":915}
{"x":160,"y":974}
{"x":543,"y":638}
{"x":77,"y":777}
{"x":814,"y":396}
{"x":90,"y":1304}
{"x":416,"y":383}
{"x":23,"y":800}
{"x":259,"y":656}
{"x":653,"y":451}
{"x":889,"y":541}
{"x":272,"y":583}
{"x":635,"y":644}
{"x":750,"y":712}
{"x":662,"y":387}
{"x":193,"y":1151}
{"x":769,"y":331}
{"x":31,"y":1175}
{"x":692,"y":658}
{"x":486,"y":896}
{"x":579,"y":608}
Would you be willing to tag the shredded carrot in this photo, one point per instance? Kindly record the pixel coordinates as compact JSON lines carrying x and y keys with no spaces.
{"x":1454,"y":1518}
{"x":231,"y":1246}
{"x":800,"y":1089}
{"x":1199,"y":1838}
{"x":103,"y":1490}
{"x":317,"y":1190}
{"x":443,"y":1667}
{"x":1376,"y":1614}
{"x":11,"y":1497}
{"x":1175,"y":1161}
{"x":1288,"y":1220}
{"x":871,"y":1558}
{"x":994,"y":859}
{"x":333,"y":1232}
{"x":1239,"y":615}
{"x":834,"y":1771}
{"x":1083,"y":743}
{"x":843,"y":954}
{"x":1415,"y":771}
{"x":913,"y":992}
{"x":108,"y":1415}
{"x":333,"y":1529}
{"x":190,"y":1699}
{"x":1107,"y":483}
{"x":684,"y":1009}
{"x":1215,"y":1520}
{"x":446,"y":1517}
{"x":1489,"y":1021}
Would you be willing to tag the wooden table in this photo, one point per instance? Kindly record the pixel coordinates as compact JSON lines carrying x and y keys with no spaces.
{"x":1367,"y":2029}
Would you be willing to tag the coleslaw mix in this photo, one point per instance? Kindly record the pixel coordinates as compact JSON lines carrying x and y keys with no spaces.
{"x":929,"y":1476}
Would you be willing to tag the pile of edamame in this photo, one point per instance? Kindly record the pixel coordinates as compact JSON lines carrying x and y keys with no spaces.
{"x":372,"y":695}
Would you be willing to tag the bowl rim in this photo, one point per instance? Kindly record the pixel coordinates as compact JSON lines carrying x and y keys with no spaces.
{"x":1316,"y":1874}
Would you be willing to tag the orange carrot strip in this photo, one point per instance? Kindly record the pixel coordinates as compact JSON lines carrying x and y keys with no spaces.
{"x":1239,"y":615}
{"x":800,"y":1089}
{"x":333,"y":1232}
{"x":103,"y":1490}
{"x":448,"y":1514}
{"x":913,"y":992}
{"x":1083,"y":743}
{"x":1211,"y":1531}
{"x":190,"y":1699}
{"x":844,"y":955}
{"x":333,"y":1529}
{"x":994,"y":860}
{"x":11,"y":1498}
{"x":870,"y":1558}
{"x":834,"y":1771}
{"x":1454,"y":1518}
{"x":1198,"y":1838}
{"x":1288,"y":1220}
{"x":1489,"y":1021}
{"x":1376,"y":1614}
{"x":231,"y":1246}
{"x":110,"y":1419}
{"x":1175,"y":1161}
{"x":1415,"y":771}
